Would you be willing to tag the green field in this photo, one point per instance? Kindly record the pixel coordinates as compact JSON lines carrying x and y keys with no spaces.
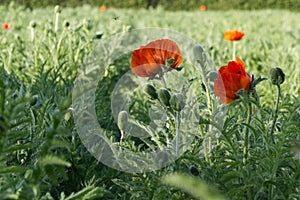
{"x":43,"y":157}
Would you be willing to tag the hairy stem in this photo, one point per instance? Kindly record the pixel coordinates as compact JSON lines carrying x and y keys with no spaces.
{"x":275,"y":112}
{"x":177,"y":139}
{"x":246,"y":134}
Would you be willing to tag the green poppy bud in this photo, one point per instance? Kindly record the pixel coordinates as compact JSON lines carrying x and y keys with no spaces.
{"x":87,"y":24}
{"x":164,"y":96}
{"x":57,"y":9}
{"x":177,"y":101}
{"x":212,"y":75}
{"x":34,"y":100}
{"x":66,"y":23}
{"x":98,"y":35}
{"x":151,"y":91}
{"x":194,"y":170}
{"x":32,"y":24}
{"x":123,"y":120}
{"x":277,"y":76}
{"x":197,"y":52}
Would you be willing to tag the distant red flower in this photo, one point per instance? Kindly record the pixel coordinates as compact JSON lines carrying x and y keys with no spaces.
{"x":231,"y":78}
{"x":148,"y":60}
{"x":233,"y":35}
{"x":6,"y":26}
{"x":202,"y":7}
{"x":102,"y":8}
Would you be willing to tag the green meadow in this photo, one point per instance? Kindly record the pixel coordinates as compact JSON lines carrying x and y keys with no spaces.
{"x":43,"y":157}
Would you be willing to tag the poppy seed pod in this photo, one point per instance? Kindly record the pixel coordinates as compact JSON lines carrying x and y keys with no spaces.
{"x":164,"y":96}
{"x":123,"y":120}
{"x":177,"y":101}
{"x":32,"y":24}
{"x":277,"y":76}
{"x":57,"y":9}
{"x":151,"y":91}
{"x":197,"y":52}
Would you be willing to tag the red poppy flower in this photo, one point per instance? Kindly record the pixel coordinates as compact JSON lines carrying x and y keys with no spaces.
{"x":202,"y":7}
{"x":233,"y":35}
{"x":231,"y":78}
{"x":102,"y":8}
{"x":6,"y":26}
{"x":148,"y":60}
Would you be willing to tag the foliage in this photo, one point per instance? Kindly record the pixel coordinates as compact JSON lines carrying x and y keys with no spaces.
{"x":42,"y":157}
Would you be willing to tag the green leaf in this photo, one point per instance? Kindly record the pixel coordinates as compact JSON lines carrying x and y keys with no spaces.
{"x":53,"y":160}
{"x":12,"y":169}
{"x":192,"y":185}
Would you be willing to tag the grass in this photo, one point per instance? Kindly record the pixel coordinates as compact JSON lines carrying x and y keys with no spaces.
{"x":42,"y":156}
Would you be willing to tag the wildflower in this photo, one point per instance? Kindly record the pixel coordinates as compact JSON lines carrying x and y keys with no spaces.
{"x":148,"y":60}
{"x":233,"y":35}
{"x":102,"y":8}
{"x":230,"y":80}
{"x":202,"y":7}
{"x":6,"y":26}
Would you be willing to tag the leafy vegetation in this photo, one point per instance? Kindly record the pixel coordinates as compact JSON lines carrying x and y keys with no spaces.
{"x":42,"y":156}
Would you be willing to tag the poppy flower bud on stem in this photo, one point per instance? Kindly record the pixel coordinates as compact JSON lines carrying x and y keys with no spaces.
{"x":122,"y":122}
{"x":32,"y":26}
{"x":177,"y":101}
{"x":164,"y":96}
{"x":277,"y":76}
{"x":151,"y":91}
{"x":198,"y":53}
{"x":66,"y":24}
{"x":57,"y":11}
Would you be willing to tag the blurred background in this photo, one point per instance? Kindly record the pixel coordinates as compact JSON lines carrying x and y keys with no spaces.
{"x":168,"y":4}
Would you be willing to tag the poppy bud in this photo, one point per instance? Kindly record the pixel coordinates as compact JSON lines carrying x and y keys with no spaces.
{"x":151,"y":91}
{"x":277,"y":76}
{"x":164,"y":96}
{"x":212,"y":75}
{"x":66,"y":24}
{"x":34,"y":100}
{"x":194,"y":170}
{"x":98,"y":35}
{"x":87,"y":24}
{"x":177,"y":101}
{"x":57,"y":9}
{"x":32,"y":24}
{"x":197,"y":52}
{"x":123,"y":120}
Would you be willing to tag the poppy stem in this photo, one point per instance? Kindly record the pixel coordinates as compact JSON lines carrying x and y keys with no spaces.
{"x":246,"y":133}
{"x":177,"y":139}
{"x":275,"y":112}
{"x":161,"y":76}
{"x":56,"y":22}
{"x":233,"y":50}
{"x":32,"y":34}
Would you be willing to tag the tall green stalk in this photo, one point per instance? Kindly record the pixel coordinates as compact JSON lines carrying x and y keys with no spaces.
{"x":275,"y":112}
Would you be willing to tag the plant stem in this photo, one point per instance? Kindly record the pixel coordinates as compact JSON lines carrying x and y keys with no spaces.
{"x":246,"y":134}
{"x":177,"y":139}
{"x":275,"y":112}
{"x":56,"y":22}
{"x":233,"y":50}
